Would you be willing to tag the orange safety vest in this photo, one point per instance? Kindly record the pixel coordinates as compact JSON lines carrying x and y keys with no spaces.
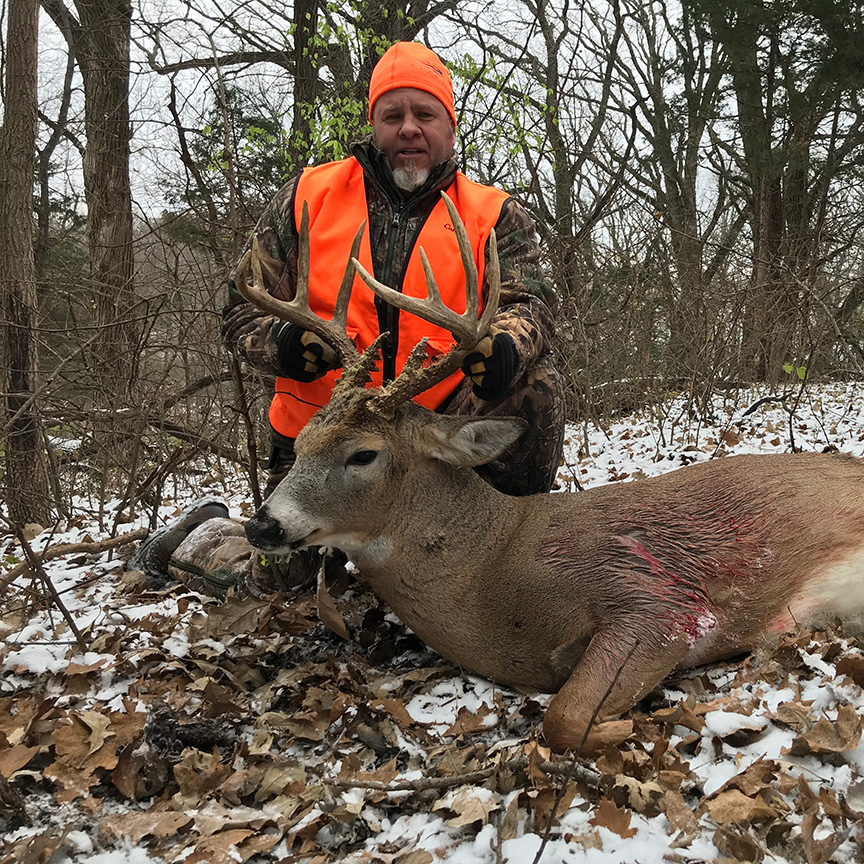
{"x":336,"y":197}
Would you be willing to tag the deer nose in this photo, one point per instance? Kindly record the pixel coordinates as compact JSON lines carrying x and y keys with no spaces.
{"x":263,"y":531}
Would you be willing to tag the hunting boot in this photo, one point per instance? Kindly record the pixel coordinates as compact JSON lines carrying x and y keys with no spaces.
{"x":153,"y":556}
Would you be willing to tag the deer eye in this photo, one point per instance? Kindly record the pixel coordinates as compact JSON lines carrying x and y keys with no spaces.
{"x":363,"y":457}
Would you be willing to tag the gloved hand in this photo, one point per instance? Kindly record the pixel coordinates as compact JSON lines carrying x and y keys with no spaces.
{"x":492,"y":365}
{"x":301,"y":354}
{"x":239,"y":320}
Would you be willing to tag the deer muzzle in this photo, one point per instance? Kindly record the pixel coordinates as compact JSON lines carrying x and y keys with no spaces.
{"x":265,"y":532}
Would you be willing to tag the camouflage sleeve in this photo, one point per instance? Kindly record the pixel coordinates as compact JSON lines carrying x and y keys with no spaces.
{"x":246,"y":329}
{"x":528,"y":303}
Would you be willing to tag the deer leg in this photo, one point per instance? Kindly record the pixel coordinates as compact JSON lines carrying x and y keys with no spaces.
{"x":617,"y":669}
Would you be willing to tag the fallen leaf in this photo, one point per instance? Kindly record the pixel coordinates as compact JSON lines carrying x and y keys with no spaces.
{"x":853,"y":666}
{"x":819,"y":851}
{"x":508,"y":828}
{"x":140,"y":775}
{"x":640,"y":796}
{"x":753,"y":779}
{"x":671,"y":779}
{"x":734,"y":807}
{"x":679,"y":715}
{"x":82,"y":744}
{"x":537,"y":754}
{"x":681,"y":817}
{"x":214,"y":817}
{"x":737,"y":844}
{"x":99,"y":725}
{"x":387,"y":773}
{"x":231,"y":619}
{"x":198,"y":773}
{"x":549,"y":805}
{"x":281,"y":779}
{"x":85,"y":668}
{"x":418,"y":856}
{"x":830,"y":804}
{"x":37,"y":848}
{"x":588,"y":840}
{"x":135,"y":826}
{"x":396,"y":709}
{"x":221,"y":848}
{"x":327,"y":611}
{"x":607,"y":814}
{"x":31,"y":530}
{"x":79,"y":737}
{"x":14,"y":758}
{"x":795,"y":715}
{"x":473,"y":804}
{"x":826,"y":736}
{"x":468,"y":721}
{"x":308,"y":725}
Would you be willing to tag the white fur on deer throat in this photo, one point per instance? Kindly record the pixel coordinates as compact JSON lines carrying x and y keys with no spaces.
{"x":365,"y":551}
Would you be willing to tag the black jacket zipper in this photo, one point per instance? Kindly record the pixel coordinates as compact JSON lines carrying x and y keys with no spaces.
{"x":388,"y":316}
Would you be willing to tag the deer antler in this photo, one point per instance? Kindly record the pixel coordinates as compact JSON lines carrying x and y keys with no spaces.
{"x":297,"y":311}
{"x":468,"y":329}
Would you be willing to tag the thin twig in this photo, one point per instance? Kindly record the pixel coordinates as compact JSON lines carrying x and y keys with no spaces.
{"x":421,"y":784}
{"x":36,"y":565}
{"x":251,"y":441}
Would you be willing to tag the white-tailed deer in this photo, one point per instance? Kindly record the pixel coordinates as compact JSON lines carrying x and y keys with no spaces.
{"x":594,"y":596}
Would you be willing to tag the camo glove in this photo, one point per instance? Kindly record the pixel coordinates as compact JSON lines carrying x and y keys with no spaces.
{"x":238,"y":322}
{"x":492,"y":365}
{"x":301,"y":354}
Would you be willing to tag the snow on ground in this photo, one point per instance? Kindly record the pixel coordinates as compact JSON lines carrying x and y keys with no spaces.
{"x":197,"y":732}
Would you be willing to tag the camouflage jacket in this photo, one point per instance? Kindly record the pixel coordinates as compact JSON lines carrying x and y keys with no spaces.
{"x":527,"y":303}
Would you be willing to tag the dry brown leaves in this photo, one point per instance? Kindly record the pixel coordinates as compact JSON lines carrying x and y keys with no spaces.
{"x":272,"y":736}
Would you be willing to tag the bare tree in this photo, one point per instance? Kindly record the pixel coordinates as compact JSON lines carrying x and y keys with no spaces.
{"x":796,"y":75}
{"x":100,"y":40}
{"x":26,"y":476}
{"x":683,"y":175}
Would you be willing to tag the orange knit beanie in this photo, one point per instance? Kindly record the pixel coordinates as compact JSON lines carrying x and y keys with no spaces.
{"x":410,"y":64}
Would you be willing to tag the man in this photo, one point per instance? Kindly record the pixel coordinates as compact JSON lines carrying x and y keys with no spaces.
{"x":395,"y":181}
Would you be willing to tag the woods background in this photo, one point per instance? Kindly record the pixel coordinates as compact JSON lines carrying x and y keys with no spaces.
{"x":694,"y":170}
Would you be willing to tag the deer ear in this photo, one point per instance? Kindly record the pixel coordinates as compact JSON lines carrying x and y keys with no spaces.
{"x":470,"y":441}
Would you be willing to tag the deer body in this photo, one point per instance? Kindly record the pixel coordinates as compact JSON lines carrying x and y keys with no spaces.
{"x":605,"y":590}
{"x":596,"y":596}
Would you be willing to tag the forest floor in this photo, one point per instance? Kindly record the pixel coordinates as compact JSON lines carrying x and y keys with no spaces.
{"x":174,"y":728}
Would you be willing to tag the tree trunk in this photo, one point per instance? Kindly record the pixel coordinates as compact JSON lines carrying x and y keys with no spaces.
{"x":26,"y":474}
{"x":102,"y":48}
{"x":306,"y":81}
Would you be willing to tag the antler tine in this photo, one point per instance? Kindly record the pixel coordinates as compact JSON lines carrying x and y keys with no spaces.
{"x":466,"y":327}
{"x":297,"y":311}
{"x":359,"y":373}
{"x":472,"y":302}
{"x":340,"y":314}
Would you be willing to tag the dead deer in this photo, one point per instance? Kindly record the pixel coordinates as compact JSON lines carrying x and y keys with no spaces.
{"x":595,"y":596}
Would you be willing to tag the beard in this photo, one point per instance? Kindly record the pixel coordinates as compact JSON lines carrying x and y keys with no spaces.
{"x":409,"y":177}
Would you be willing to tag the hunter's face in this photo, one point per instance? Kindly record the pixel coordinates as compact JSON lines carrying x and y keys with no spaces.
{"x":414,"y":131}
